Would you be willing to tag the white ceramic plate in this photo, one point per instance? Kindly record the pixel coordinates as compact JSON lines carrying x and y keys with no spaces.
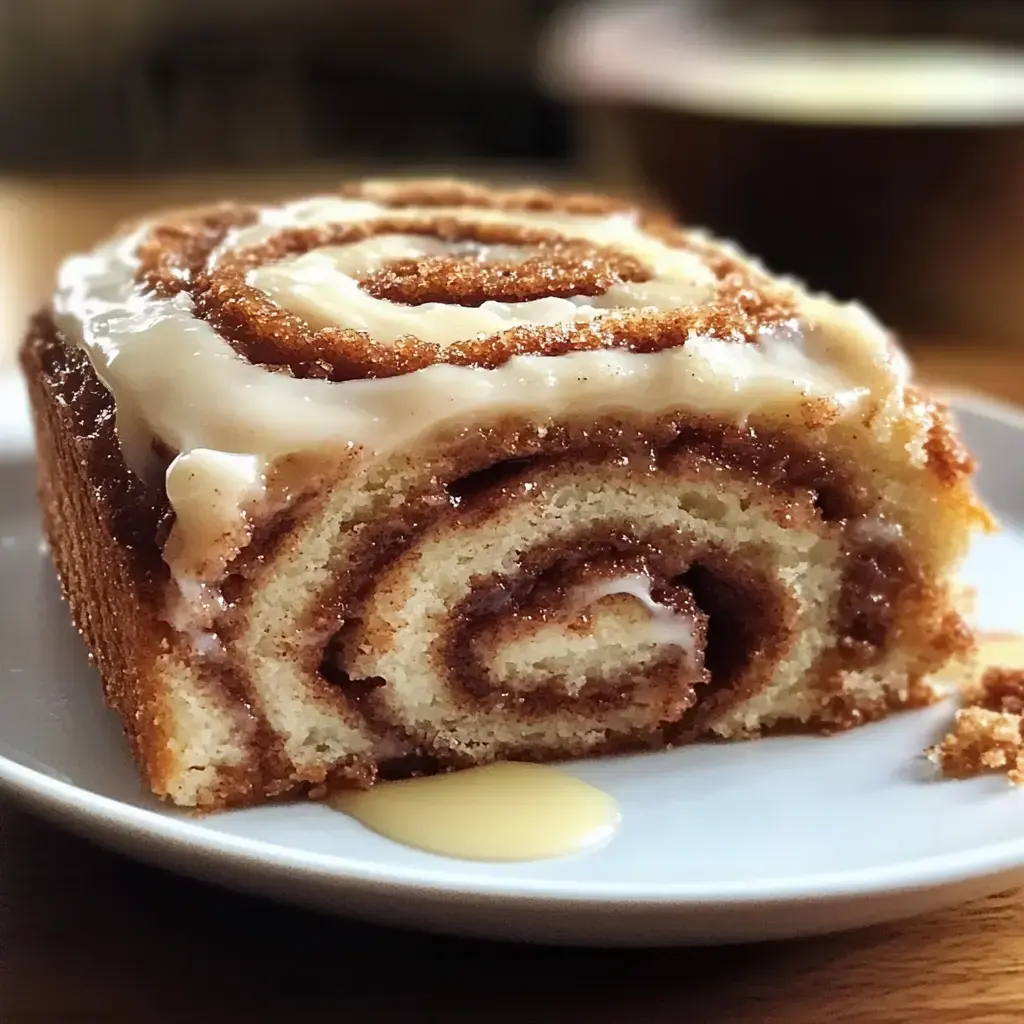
{"x":775,"y":838}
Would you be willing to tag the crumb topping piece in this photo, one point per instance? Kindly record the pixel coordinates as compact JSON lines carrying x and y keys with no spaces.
{"x":988,"y":730}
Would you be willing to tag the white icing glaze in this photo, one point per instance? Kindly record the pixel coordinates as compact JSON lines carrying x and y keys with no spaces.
{"x":173,"y":377}
{"x":207,"y":490}
{"x":323,"y":285}
{"x":666,"y":625}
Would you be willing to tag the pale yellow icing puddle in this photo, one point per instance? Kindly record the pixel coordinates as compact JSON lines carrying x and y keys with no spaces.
{"x":505,"y":811}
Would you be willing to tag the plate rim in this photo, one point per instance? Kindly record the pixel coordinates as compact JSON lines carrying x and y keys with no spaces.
{"x":65,"y":801}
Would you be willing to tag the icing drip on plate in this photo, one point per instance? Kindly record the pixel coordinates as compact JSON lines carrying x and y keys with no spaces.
{"x":509,"y":811}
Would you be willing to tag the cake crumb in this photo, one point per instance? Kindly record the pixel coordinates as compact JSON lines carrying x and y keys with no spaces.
{"x":988,"y":730}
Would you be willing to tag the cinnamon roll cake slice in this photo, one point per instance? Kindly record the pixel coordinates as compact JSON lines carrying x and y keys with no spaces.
{"x":422,"y":474}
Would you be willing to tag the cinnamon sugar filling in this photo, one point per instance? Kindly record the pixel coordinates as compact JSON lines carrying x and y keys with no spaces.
{"x":541,"y":592}
{"x":742,"y":624}
{"x":560,"y":270}
{"x":176,"y":258}
{"x":744,"y":619}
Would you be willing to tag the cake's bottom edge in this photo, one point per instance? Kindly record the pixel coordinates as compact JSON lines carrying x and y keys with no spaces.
{"x":214,"y":787}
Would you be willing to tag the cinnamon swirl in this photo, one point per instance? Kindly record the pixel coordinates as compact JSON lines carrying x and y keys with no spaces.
{"x":420,"y":475}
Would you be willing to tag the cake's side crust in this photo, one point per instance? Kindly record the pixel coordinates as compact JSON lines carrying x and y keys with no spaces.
{"x":102,"y":526}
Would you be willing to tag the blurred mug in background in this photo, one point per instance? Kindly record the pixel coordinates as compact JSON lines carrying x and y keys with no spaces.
{"x":874,"y":149}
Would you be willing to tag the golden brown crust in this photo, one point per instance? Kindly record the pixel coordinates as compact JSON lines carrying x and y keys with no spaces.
{"x":948,"y":458}
{"x":102,"y":526}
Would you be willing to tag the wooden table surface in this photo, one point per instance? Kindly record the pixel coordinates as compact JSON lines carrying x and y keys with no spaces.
{"x":88,"y":936}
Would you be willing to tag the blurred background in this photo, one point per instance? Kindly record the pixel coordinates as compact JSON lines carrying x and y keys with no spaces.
{"x":874,"y":148}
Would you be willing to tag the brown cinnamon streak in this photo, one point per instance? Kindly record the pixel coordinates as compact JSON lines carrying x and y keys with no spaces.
{"x":175,"y":255}
{"x":745,"y":618}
